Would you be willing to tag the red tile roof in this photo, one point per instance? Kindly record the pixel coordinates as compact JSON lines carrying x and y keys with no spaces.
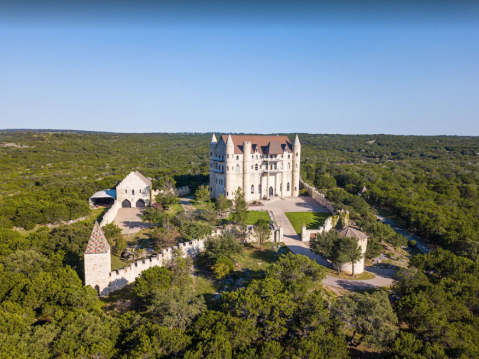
{"x":97,"y":243}
{"x":265,"y":144}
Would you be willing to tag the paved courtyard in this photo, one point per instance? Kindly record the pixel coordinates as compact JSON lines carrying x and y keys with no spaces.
{"x":129,"y":220}
{"x":278,"y":207}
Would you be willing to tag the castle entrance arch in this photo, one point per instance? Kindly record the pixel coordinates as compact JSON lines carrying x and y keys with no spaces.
{"x":140,"y":203}
{"x":126,"y":204}
{"x":270,"y":191}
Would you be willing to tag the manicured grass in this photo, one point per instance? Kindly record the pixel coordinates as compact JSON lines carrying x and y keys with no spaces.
{"x":116,"y":263}
{"x":362,"y":276}
{"x":98,"y":213}
{"x":258,"y":259}
{"x":199,"y":205}
{"x":174,"y":209}
{"x":253,"y":217}
{"x":312,"y":220}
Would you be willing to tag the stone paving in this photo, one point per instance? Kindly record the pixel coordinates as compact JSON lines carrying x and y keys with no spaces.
{"x":129,"y":220}
{"x":279,"y":206}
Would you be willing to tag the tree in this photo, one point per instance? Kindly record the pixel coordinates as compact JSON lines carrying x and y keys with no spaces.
{"x":154,"y":278}
{"x":351,"y":250}
{"x":175,"y":307}
{"x":221,"y":204}
{"x":224,"y":245}
{"x":180,"y":268}
{"x":240,"y":209}
{"x":202,"y":194}
{"x":297,"y":273}
{"x":223,"y":266}
{"x":166,"y":197}
{"x":210,"y":215}
{"x":369,"y":315}
{"x":262,"y":232}
{"x":120,"y":245}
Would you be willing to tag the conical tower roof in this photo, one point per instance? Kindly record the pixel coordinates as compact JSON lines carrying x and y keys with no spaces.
{"x":229,"y":141}
{"x":213,"y":139}
{"x":296,"y":141}
{"x":97,"y":243}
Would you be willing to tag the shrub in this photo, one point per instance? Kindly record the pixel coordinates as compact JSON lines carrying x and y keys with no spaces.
{"x":304,"y":192}
{"x":223,"y":266}
{"x":412,"y":243}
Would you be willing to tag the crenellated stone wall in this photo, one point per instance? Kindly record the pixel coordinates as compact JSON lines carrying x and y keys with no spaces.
{"x":120,"y":278}
{"x":317,"y":196}
{"x":110,"y":215}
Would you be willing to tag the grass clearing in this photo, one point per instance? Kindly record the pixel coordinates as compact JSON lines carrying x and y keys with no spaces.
{"x":312,"y":220}
{"x":253,"y":217}
{"x":117,"y":263}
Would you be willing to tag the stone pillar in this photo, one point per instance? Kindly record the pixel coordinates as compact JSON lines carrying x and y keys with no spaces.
{"x":230,"y":169}
{"x":296,"y":167}
{"x":247,"y":163}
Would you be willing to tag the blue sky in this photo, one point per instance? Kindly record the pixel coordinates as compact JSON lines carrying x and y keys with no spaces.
{"x":241,"y":68}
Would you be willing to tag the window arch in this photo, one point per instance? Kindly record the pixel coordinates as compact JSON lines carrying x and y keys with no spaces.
{"x":227,"y":156}
{"x":133,"y":192}
{"x":126,"y":191}
{"x":289,"y":157}
{"x":252,"y":188}
{"x":296,"y":154}
{"x":256,"y":167}
{"x":237,"y":168}
{"x":287,"y":187}
{"x":237,"y":158}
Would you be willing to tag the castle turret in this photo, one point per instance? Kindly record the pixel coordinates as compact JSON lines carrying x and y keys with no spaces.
{"x":296,"y":166}
{"x":247,"y":162}
{"x":213,"y":144}
{"x":97,"y":261}
{"x":230,"y":168}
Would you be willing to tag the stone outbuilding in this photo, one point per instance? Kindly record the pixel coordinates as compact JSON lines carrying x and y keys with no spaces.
{"x":97,"y":261}
{"x":134,"y":191}
{"x":362,"y":239}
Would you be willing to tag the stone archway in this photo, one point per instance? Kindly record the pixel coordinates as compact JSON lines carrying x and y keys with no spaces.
{"x":126,"y":204}
{"x":140,"y":203}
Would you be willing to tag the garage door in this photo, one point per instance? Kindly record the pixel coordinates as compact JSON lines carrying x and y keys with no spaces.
{"x":140,"y":204}
{"x":126,"y":204}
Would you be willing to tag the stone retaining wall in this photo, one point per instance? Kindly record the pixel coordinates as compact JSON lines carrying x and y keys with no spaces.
{"x":317,"y":196}
{"x":110,"y":215}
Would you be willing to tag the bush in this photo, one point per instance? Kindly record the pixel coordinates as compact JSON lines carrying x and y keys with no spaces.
{"x":412,"y":243}
{"x":304,"y":192}
{"x":223,"y":266}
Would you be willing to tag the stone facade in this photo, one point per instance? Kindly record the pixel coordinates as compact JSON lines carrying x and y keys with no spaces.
{"x":263,"y":166}
{"x":134,"y":191}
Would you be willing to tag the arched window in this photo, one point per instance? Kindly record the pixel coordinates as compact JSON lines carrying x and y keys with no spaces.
{"x":139,"y":191}
{"x":295,"y":188}
{"x":252,"y":157}
{"x":237,"y":168}
{"x":227,"y":156}
{"x":289,"y":157}
{"x":287,"y":187}
{"x":226,"y":194}
{"x":256,"y":167}
{"x":237,"y":158}
{"x":126,"y":191}
{"x":252,"y":188}
{"x":227,"y":168}
{"x":296,"y":154}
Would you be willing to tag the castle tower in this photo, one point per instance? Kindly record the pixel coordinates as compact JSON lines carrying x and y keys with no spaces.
{"x":247,"y":170}
{"x":97,"y":261}
{"x":296,"y":166}
{"x":213,"y":144}
{"x":230,"y":168}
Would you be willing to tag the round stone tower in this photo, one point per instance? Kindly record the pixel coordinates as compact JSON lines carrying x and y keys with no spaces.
{"x":230,"y":168}
{"x":213,"y":144}
{"x":296,"y":166}
{"x":247,"y":162}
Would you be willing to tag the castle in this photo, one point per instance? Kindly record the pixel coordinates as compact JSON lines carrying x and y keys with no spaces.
{"x":263,"y":166}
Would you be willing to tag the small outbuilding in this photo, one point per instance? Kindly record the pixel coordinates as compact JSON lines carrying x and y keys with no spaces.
{"x":103,"y":198}
{"x":134,"y":191}
{"x":362,"y":239}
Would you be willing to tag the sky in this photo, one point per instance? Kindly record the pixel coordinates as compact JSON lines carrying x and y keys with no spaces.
{"x":355,"y":67}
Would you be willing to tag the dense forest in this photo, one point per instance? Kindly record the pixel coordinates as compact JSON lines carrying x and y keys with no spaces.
{"x":429,"y":184}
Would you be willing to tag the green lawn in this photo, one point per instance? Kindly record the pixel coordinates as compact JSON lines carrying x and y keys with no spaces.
{"x":116,"y":263}
{"x":174,"y":209}
{"x":312,"y":220}
{"x":253,"y":216}
{"x":199,"y":205}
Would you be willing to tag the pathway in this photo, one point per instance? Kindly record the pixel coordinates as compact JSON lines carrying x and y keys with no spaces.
{"x":187,"y":206}
{"x":421,"y":245}
{"x":129,"y":220}
{"x":278,"y":206}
